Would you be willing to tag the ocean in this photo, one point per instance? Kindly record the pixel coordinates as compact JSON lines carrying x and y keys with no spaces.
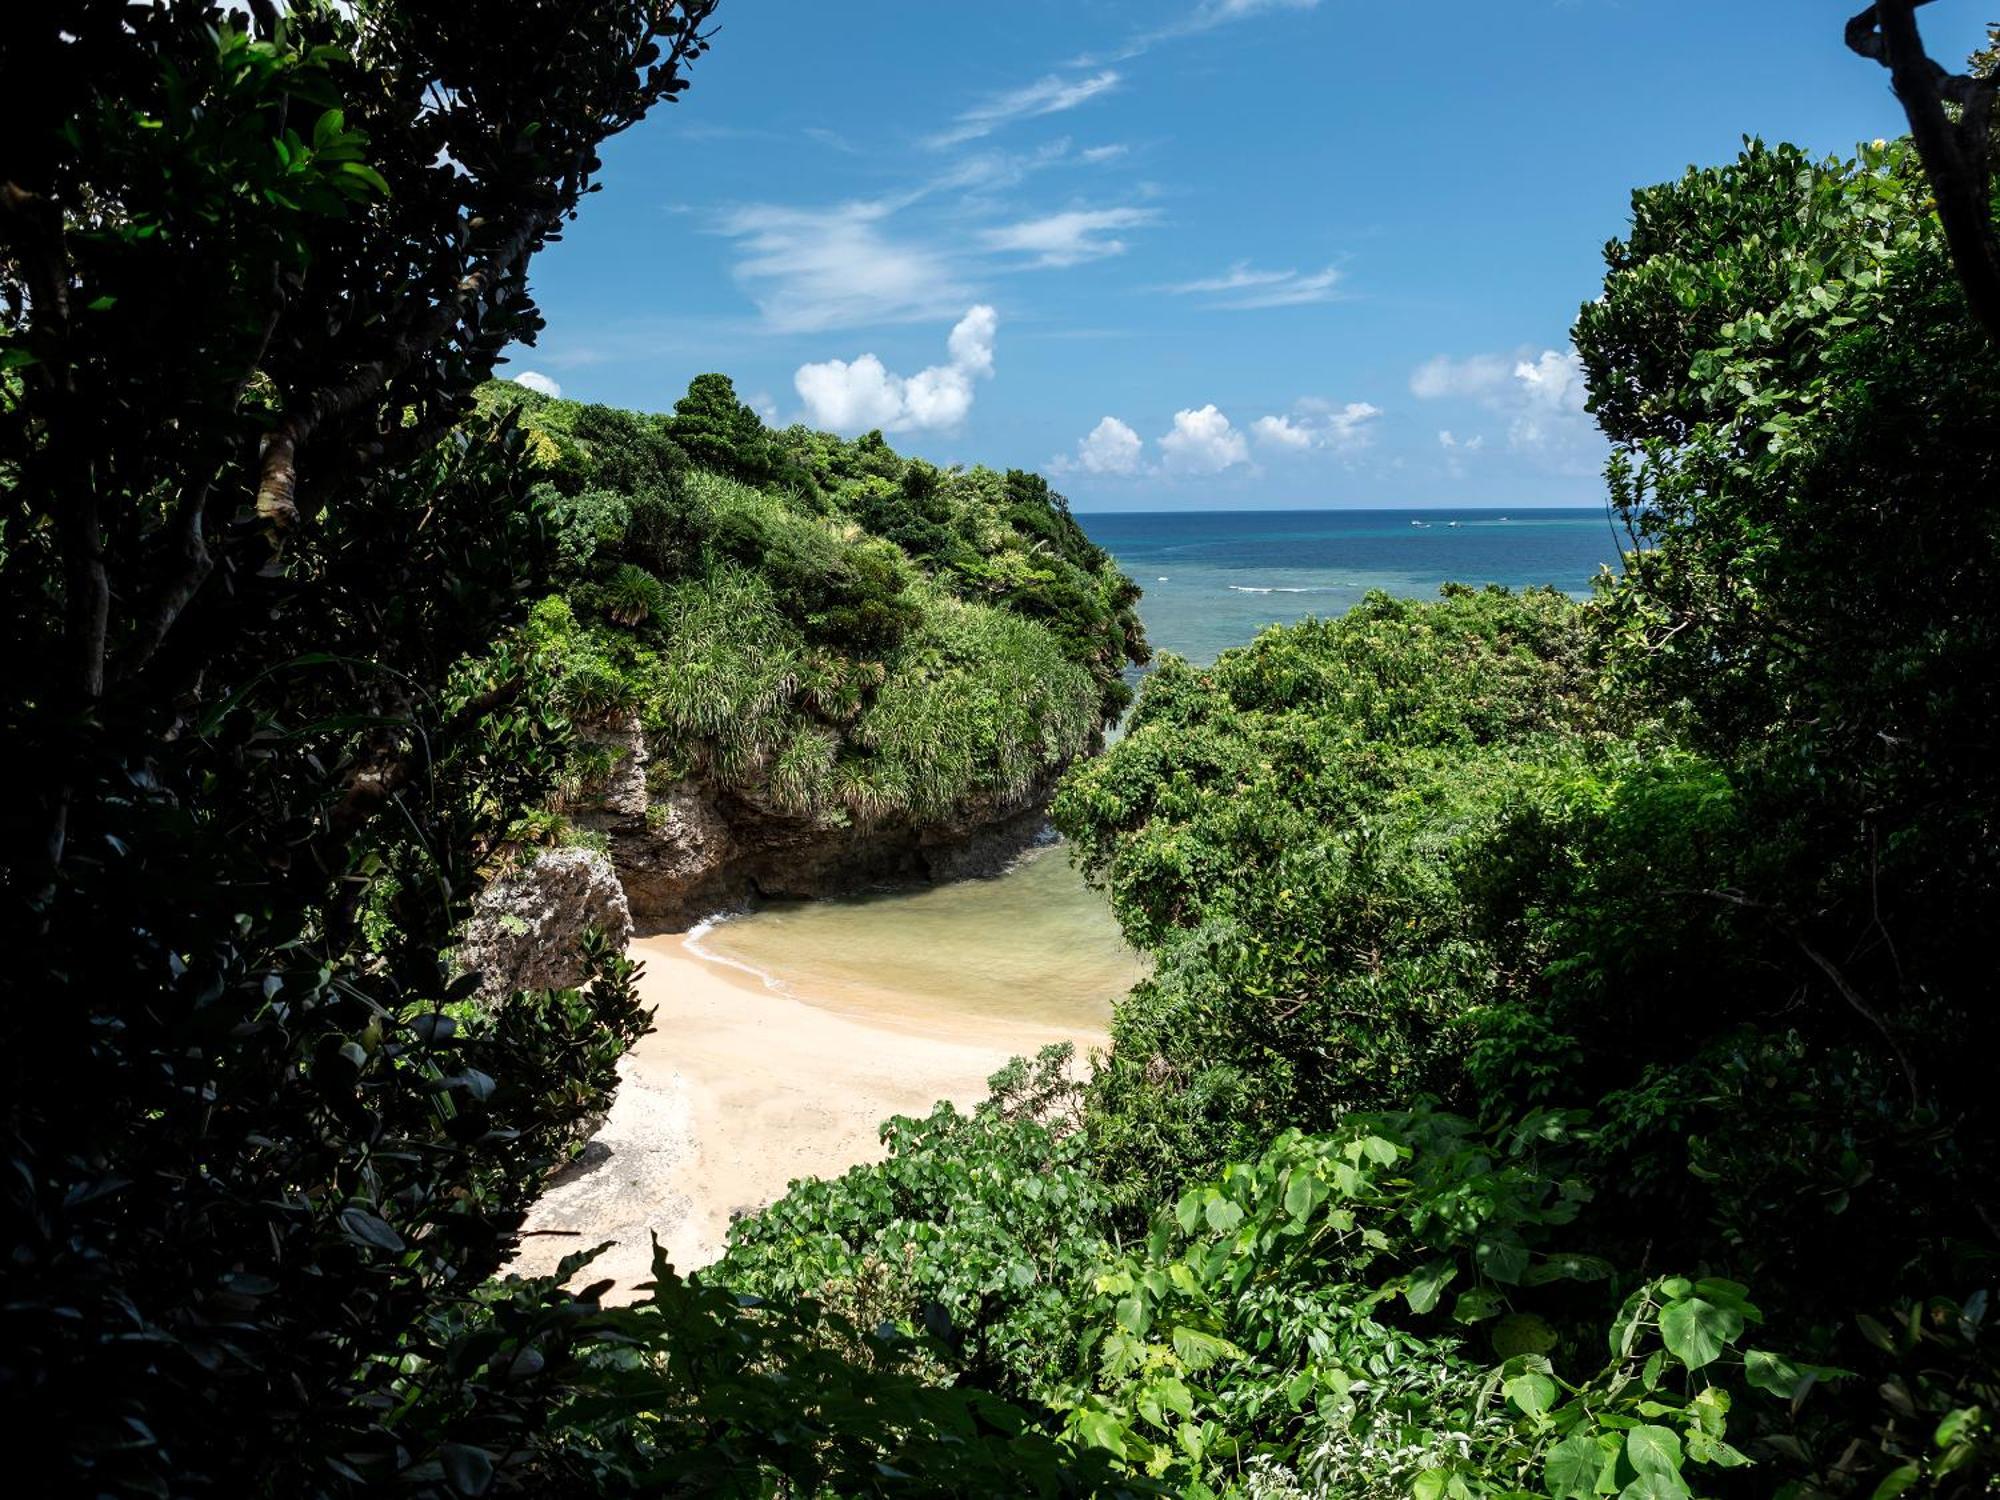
{"x":1213,"y":579}
{"x":1036,"y":946}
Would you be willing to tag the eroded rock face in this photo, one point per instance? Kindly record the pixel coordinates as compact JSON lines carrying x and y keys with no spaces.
{"x":526,"y":927}
{"x":698,"y":851}
{"x":685,"y":850}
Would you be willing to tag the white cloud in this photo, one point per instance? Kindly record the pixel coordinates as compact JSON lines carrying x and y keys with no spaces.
{"x":1479,"y":375}
{"x":1282,"y":432}
{"x":535,"y":380}
{"x":971,"y":342}
{"x":1243,"y":287}
{"x":1049,"y":96}
{"x":1541,"y":397}
{"x":1110,"y":447}
{"x":1093,"y":156}
{"x":1551,"y":392}
{"x":1069,"y":238}
{"x":1203,"y":442}
{"x":809,"y":270}
{"x":990,"y":171}
{"x":1446,"y":439}
{"x":1314,"y":423}
{"x":853,"y":396}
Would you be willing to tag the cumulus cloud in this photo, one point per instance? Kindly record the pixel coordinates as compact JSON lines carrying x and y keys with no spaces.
{"x":1313,"y":423}
{"x":1110,"y":447}
{"x":1282,"y":432}
{"x":1069,"y":238}
{"x":850,"y":396}
{"x":1049,"y":96}
{"x":1551,"y":394}
{"x":1203,"y":442}
{"x":1243,"y":287}
{"x":1541,"y":397}
{"x":813,"y":269}
{"x":1446,"y":439}
{"x":535,"y":380}
{"x":970,"y":344}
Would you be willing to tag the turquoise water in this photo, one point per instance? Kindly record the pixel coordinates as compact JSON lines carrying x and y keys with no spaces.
{"x":1035,"y":947}
{"x":1213,"y":579}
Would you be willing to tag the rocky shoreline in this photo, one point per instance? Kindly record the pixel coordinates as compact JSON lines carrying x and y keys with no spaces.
{"x":683,"y":852}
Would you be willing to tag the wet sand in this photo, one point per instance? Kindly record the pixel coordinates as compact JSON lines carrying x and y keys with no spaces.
{"x":742,"y":1088}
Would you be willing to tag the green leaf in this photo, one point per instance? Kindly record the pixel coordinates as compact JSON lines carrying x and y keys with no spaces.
{"x":1654,"y":1450}
{"x":1501,"y":1255}
{"x":1198,"y":1350}
{"x":1655,"y":1487}
{"x":1477,"y":1305}
{"x":1531,"y":1393}
{"x":1953,"y":1427}
{"x":1571,"y":1469}
{"x":1223,"y":1216}
{"x":1770,"y":1372}
{"x":467,"y":1469}
{"x":1567,"y":1267}
{"x":370,"y":1230}
{"x":1303,"y":1193}
{"x":1427,"y":1283}
{"x":1696,"y":1331}
{"x":1187,"y":1212}
{"x":1895,"y":1482}
{"x":367,"y":174}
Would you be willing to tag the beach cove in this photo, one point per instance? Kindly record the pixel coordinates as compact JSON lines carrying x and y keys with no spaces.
{"x":785,"y":1036}
{"x":748,"y":1082}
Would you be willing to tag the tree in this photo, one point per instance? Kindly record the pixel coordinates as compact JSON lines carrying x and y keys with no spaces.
{"x":720,"y":432}
{"x":1951,"y":119}
{"x":251,"y":268}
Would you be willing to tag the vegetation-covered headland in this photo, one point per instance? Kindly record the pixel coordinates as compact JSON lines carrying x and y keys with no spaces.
{"x":1567,"y":1070}
{"x":793,"y":664}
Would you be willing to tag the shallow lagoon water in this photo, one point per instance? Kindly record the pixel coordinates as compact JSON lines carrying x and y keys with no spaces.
{"x":1035,"y":944}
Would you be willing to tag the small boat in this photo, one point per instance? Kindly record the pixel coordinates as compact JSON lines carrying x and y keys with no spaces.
{"x":1163,"y":578}
{"x":1420,"y":523}
{"x":1454,"y":523}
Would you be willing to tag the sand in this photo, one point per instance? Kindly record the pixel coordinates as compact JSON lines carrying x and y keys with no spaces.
{"x":740,"y":1089}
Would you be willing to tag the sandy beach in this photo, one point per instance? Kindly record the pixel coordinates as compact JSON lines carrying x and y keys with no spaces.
{"x":742,"y":1088}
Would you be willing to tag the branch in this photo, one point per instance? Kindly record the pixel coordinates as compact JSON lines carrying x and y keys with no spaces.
{"x":1957,"y":157}
{"x":277,"y":479}
{"x":177,"y":590}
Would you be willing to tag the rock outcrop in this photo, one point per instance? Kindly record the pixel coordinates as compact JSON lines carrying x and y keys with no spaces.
{"x":525,"y":928}
{"x":696,"y":850}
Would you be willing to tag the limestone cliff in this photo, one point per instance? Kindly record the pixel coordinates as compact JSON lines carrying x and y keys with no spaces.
{"x":685,"y":849}
{"x":525,"y":929}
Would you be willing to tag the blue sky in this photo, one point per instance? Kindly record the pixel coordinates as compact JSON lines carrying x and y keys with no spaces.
{"x":1179,"y":253}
